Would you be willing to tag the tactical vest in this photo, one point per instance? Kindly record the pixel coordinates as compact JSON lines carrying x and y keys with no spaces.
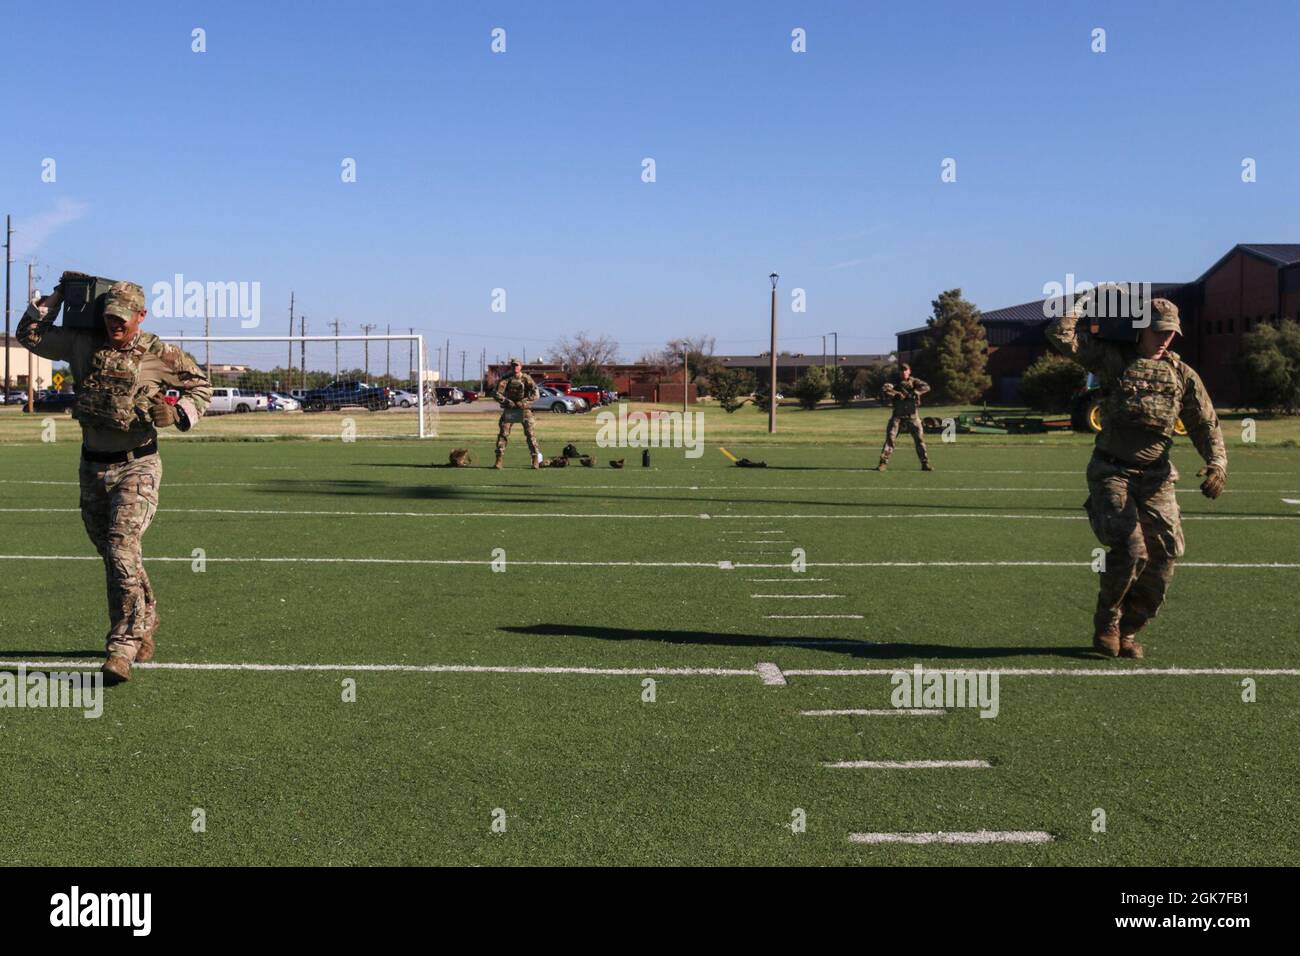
{"x":515,"y":389}
{"x":1148,"y":395}
{"x":108,"y":398}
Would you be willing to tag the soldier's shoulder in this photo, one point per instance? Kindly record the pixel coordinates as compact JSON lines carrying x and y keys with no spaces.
{"x":526,"y":378}
{"x":173,"y":356}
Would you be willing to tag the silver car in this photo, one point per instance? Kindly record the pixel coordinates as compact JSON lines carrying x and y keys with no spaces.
{"x":549,"y":400}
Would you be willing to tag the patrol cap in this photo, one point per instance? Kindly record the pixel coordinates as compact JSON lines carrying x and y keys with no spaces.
{"x":124,"y":300}
{"x":1164,"y":316}
{"x":514,"y":361}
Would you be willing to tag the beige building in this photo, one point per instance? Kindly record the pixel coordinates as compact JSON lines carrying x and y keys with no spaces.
{"x":17,"y":357}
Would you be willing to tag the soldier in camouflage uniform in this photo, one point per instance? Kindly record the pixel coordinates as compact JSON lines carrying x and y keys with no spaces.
{"x":1131,"y":504}
{"x":906,"y":395}
{"x":516,"y":393}
{"x":121,"y":374}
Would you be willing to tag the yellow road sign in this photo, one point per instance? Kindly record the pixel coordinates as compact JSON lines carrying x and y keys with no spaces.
{"x":57,"y":380}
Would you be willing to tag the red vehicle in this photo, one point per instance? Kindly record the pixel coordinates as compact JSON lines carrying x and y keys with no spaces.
{"x":594,"y":396}
{"x":559,"y":384}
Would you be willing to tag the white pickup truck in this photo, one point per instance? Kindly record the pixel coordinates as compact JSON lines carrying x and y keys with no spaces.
{"x":233,"y":400}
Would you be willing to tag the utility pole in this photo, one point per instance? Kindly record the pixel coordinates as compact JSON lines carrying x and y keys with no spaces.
{"x":447,"y":359}
{"x":771,"y":398}
{"x":438,"y":349}
{"x":686,"y":377}
{"x":9,"y":258}
{"x":335,"y":323}
{"x":31,"y":369}
{"x":302,"y":351}
{"x":289,"y":384}
{"x":365,"y":330}
{"x":836,"y":335}
{"x":462,"y":365}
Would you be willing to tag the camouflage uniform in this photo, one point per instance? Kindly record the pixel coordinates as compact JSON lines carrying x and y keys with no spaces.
{"x":1131,"y":503}
{"x":516,"y":394}
{"x":120,"y":474}
{"x":906,"y":396}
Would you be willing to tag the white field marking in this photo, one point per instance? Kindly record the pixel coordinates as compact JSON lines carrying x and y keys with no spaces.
{"x":1289,"y":501}
{"x":955,"y":836}
{"x":799,"y":597}
{"x":813,"y":617}
{"x":758,"y":541}
{"x":784,"y":580}
{"x":671,"y":671}
{"x":631,"y":517}
{"x":907,"y":764}
{"x":716,"y":565}
{"x":1061,"y":672}
{"x":770,"y":673}
{"x":885,"y":712}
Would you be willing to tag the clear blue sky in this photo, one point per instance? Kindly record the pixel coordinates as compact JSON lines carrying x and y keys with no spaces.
{"x":523,"y":170}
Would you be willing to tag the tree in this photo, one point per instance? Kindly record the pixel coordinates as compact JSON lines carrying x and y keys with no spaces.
{"x":582,"y":349}
{"x":732,"y":387}
{"x":812,"y":387}
{"x":1270,"y":366}
{"x":1051,"y":382}
{"x":844,"y":386}
{"x":591,"y":373}
{"x":954,"y":356}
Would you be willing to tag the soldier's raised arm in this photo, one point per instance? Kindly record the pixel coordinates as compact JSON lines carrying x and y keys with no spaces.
{"x":1064,"y":336}
{"x":499,"y":393}
{"x":38,"y":333}
{"x":918,"y":386}
{"x":184,"y":375}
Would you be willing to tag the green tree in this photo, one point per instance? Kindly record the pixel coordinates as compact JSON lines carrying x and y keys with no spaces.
{"x":1051,"y":382}
{"x":731,"y":387}
{"x":813,"y":386}
{"x":954,"y":357}
{"x":1270,"y":367}
{"x":844,"y":385}
{"x":592,"y":373}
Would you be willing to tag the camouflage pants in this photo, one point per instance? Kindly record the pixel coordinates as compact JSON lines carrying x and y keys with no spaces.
{"x":508,"y":418}
{"x":1135,"y":514}
{"x":913,"y":425}
{"x":118,"y":502}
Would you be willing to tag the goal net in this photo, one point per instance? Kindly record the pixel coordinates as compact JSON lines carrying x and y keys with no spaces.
{"x":379,"y":385}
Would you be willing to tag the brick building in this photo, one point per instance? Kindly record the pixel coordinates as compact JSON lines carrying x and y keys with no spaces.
{"x":1250,"y":284}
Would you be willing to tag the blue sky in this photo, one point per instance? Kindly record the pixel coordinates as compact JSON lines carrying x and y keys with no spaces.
{"x":522,"y":170}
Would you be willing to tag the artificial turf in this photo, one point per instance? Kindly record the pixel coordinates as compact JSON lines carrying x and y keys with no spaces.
{"x":610,"y":569}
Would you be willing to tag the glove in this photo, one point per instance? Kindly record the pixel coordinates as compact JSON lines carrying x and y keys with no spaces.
{"x":1214,"y":481}
{"x":161,"y":413}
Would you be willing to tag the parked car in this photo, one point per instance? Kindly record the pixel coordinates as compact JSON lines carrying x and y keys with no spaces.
{"x":337,"y":395}
{"x":470,"y":395}
{"x":235,"y":400}
{"x":48,"y":400}
{"x":14,"y":397}
{"x":556,"y":384}
{"x":549,"y":400}
{"x":279,"y":402}
{"x":593,"y":395}
{"x":449,"y":395}
{"x":402,"y":398}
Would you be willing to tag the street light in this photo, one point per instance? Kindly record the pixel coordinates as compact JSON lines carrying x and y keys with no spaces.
{"x":771,"y":404}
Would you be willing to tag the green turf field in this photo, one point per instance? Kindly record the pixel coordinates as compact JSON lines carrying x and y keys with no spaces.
{"x":523,"y":690}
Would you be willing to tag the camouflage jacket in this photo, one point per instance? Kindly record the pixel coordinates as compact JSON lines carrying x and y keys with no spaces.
{"x":906,"y":396}
{"x":1142,"y":398}
{"x":516,"y":391}
{"x":108,"y":379}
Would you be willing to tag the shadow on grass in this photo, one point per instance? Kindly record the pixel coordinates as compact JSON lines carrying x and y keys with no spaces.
{"x":57,"y":654}
{"x":858,"y":650}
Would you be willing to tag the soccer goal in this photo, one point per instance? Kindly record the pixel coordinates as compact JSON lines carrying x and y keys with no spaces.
{"x":300,"y":384}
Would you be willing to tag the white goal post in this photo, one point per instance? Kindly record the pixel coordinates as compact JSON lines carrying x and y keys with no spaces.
{"x":318,"y":373}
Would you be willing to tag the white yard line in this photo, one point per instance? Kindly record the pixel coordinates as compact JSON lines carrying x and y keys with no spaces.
{"x":813,"y":617}
{"x":907,"y":764}
{"x":770,"y":674}
{"x":717,"y":565}
{"x":955,"y":836}
{"x":798,"y":597}
{"x":274,"y":512}
{"x":789,"y":580}
{"x":885,"y":712}
{"x":1057,"y":671}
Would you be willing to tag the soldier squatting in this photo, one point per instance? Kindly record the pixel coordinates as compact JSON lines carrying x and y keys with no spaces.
{"x":121,"y":374}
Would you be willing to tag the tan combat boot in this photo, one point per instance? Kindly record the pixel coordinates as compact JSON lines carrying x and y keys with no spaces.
{"x":1129,"y":647}
{"x":926,"y":466}
{"x":497,"y":464}
{"x":883,"y":465}
{"x":116,"y":669}
{"x":147,"y":645}
{"x":1107,"y":641}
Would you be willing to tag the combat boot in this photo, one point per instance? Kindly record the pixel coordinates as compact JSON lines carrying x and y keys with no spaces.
{"x":497,"y":464}
{"x":147,"y":645}
{"x":1106,"y":641}
{"x":883,"y":465}
{"x":117,"y":668}
{"x":535,"y":464}
{"x":926,"y":466}
{"x":1129,"y":647}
